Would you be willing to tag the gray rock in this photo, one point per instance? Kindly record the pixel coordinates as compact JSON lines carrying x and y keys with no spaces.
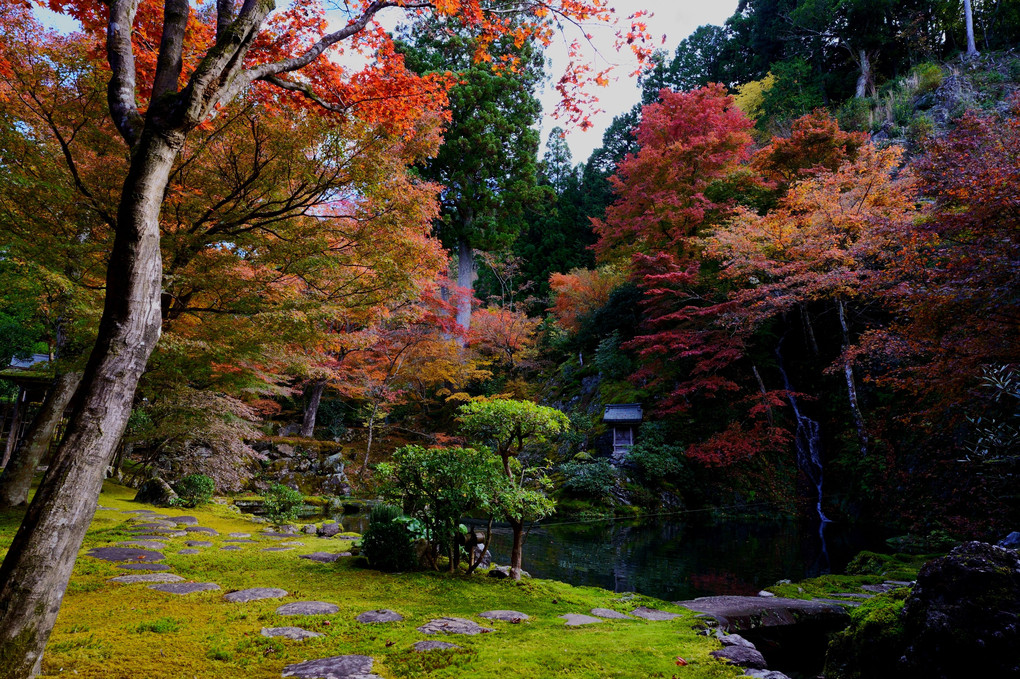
{"x":144,"y":566}
{"x":1011,"y":541}
{"x":307,"y":608}
{"x":328,"y":530}
{"x":255,"y":594}
{"x":141,"y":511}
{"x":201,"y":529}
{"x":738,"y":613}
{"x":381,"y":615}
{"x":653,"y":614}
{"x":505,"y":616}
{"x":310,"y":529}
{"x":765,"y":592}
{"x":242,"y":541}
{"x":336,"y":667}
{"x":124,"y":554}
{"x":610,"y":614}
{"x":287,"y":529}
{"x":452,"y":626}
{"x":433,"y":645}
{"x":239,"y":535}
{"x":184,"y":520}
{"x":198,"y":543}
{"x":144,"y":544}
{"x":578,"y":619}
{"x":742,"y":656}
{"x":324,"y":557}
{"x":147,"y":577}
{"x":182,"y":588}
{"x":190,"y":551}
{"x":735,"y":640}
{"x":878,"y":589}
{"x":278,"y":549}
{"x":153,"y":526}
{"x":159,"y":538}
{"x":765,"y":674}
{"x":292,"y":544}
{"x":294,"y":633}
{"x":482,"y":556}
{"x":231,"y":548}
{"x":156,"y":491}
{"x":503,"y":572}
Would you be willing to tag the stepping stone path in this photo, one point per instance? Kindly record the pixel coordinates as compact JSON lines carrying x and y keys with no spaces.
{"x":147,"y":577}
{"x":231,"y":548}
{"x":183,"y":588}
{"x":144,"y":544}
{"x":432,"y":645}
{"x":198,"y":543}
{"x":610,"y":614}
{"x":324,"y":557}
{"x":144,"y":566}
{"x":124,"y":554}
{"x":295,"y":633}
{"x":201,"y":529}
{"x":578,"y":619}
{"x":653,"y":614}
{"x":190,"y":551}
{"x":239,"y":535}
{"x":255,"y":594}
{"x":381,"y":615}
{"x":184,"y":520}
{"x":505,"y":616}
{"x":307,"y":608}
{"x":337,"y":667}
{"x":154,"y":526}
{"x":452,"y":626}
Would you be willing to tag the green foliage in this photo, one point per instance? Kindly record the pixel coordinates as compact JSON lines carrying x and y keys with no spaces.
{"x":508,"y":426}
{"x":282,"y":503}
{"x":159,"y":626}
{"x":656,"y":460}
{"x":929,"y":77}
{"x":194,"y":490}
{"x":854,"y":115}
{"x":589,"y":480}
{"x":796,"y":91}
{"x":921,"y":128}
{"x":873,"y":642}
{"x":389,"y":541}
{"x":610,"y":361}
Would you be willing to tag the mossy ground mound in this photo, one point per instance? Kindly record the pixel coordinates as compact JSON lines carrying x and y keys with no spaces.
{"x":114,"y":631}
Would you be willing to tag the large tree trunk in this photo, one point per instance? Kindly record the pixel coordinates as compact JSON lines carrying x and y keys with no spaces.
{"x":865,"y":81}
{"x":12,"y":437}
{"x":315,"y":390}
{"x":35,"y":573}
{"x":517,"y":551}
{"x":466,"y":281}
{"x":16,"y":479}
{"x":968,"y":17}
{"x":851,"y":384}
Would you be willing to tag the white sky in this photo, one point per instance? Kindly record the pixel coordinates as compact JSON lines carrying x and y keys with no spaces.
{"x":676,"y":19}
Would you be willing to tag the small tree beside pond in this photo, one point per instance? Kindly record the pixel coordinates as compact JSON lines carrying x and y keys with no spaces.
{"x":510,"y":428}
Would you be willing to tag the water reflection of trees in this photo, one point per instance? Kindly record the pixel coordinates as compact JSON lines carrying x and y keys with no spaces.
{"x":671,"y":559}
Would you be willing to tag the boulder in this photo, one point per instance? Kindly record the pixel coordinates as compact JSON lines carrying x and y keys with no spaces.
{"x":294,"y":633}
{"x":453,"y":626}
{"x":1011,"y":541}
{"x":328,"y":530}
{"x":309,"y":529}
{"x":381,"y":615}
{"x":503,"y":572}
{"x":482,"y":556}
{"x":962,"y":617}
{"x":156,"y":491}
{"x":742,"y":656}
{"x":742,"y":613}
{"x":337,"y":667}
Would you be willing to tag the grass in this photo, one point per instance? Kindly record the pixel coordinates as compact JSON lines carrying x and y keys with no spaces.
{"x":113,"y":631}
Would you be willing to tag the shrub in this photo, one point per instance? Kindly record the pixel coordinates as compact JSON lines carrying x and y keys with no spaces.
{"x":282,"y":503}
{"x":854,"y":114}
{"x":929,"y":77}
{"x":591,"y":480}
{"x":388,"y":544}
{"x":193,"y":490}
{"x":873,"y":642}
{"x":657,"y":461}
{"x":921,"y":128}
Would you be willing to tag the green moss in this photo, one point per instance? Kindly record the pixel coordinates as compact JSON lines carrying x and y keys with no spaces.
{"x":113,"y":631}
{"x":873,"y":642}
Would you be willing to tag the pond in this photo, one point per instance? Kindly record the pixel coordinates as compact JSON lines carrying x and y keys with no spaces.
{"x":682,"y":558}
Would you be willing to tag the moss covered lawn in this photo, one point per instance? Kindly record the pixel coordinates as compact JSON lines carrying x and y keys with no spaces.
{"x":114,"y":631}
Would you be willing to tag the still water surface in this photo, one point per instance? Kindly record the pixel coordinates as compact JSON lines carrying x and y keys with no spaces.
{"x":677,"y":559}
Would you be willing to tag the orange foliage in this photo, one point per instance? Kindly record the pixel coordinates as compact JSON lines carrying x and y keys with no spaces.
{"x":582,"y":291}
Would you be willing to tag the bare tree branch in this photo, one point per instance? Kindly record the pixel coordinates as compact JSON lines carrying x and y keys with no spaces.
{"x":121,"y":56}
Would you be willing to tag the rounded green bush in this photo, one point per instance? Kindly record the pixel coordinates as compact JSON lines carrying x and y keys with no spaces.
{"x":193,"y":490}
{"x":388,"y":544}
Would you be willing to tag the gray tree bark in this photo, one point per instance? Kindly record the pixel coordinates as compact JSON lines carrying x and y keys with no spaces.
{"x":315,"y":390}
{"x":466,"y":275}
{"x":12,"y":437}
{"x":16,"y":479}
{"x":968,"y":17}
{"x":865,"y":81}
{"x":851,"y":383}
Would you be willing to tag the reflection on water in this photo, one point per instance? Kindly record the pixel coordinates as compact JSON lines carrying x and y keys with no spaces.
{"x":678,"y":559}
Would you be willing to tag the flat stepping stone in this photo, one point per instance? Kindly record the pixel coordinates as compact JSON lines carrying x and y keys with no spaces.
{"x":255,"y":594}
{"x":106,"y":509}
{"x":239,"y":535}
{"x":307,"y":608}
{"x":381,"y":615}
{"x":198,"y":543}
{"x":295,"y":633}
{"x":505,"y":616}
{"x":154,"y":526}
{"x":578,"y":619}
{"x":141,"y":511}
{"x":610,"y":614}
{"x":183,"y":588}
{"x":184,"y":520}
{"x":146,"y":577}
{"x":878,"y":589}
{"x":190,"y":551}
{"x":278,"y":549}
{"x":144,"y":566}
{"x":124,"y":554}
{"x":160,"y":538}
{"x":653,"y":614}
{"x":144,"y":544}
{"x":433,"y":645}
{"x":292,"y":544}
{"x":201,"y":529}
{"x":243,"y":542}
{"x":848,"y":603}
{"x":336,"y":667}
{"x":231,"y":548}
{"x":324,"y":557}
{"x":452,"y":626}
{"x":348,"y":537}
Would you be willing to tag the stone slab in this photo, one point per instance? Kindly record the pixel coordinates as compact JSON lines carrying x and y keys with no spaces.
{"x":433,"y":645}
{"x":184,"y":520}
{"x":452,"y":626}
{"x":160,"y":538}
{"x":146,"y":577}
{"x":239,"y":535}
{"x":610,"y":614}
{"x":653,"y":614}
{"x":201,"y":529}
{"x":124,"y":554}
{"x":144,"y":566}
{"x":198,"y":543}
{"x":255,"y":594}
{"x":323,"y":557}
{"x":381,"y":615}
{"x":293,"y":633}
{"x":141,"y":511}
{"x":742,"y":656}
{"x":231,"y":548}
{"x":737,"y":613}
{"x":292,"y":544}
{"x":505,"y":616}
{"x":190,"y":551}
{"x":307,"y":608}
{"x":183,"y":588}
{"x":278,"y":549}
{"x":154,"y":526}
{"x":336,"y":667}
{"x":242,"y":541}
{"x":578,"y":619}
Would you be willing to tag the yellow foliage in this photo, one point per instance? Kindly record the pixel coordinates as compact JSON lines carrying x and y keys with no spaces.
{"x":751,"y":95}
